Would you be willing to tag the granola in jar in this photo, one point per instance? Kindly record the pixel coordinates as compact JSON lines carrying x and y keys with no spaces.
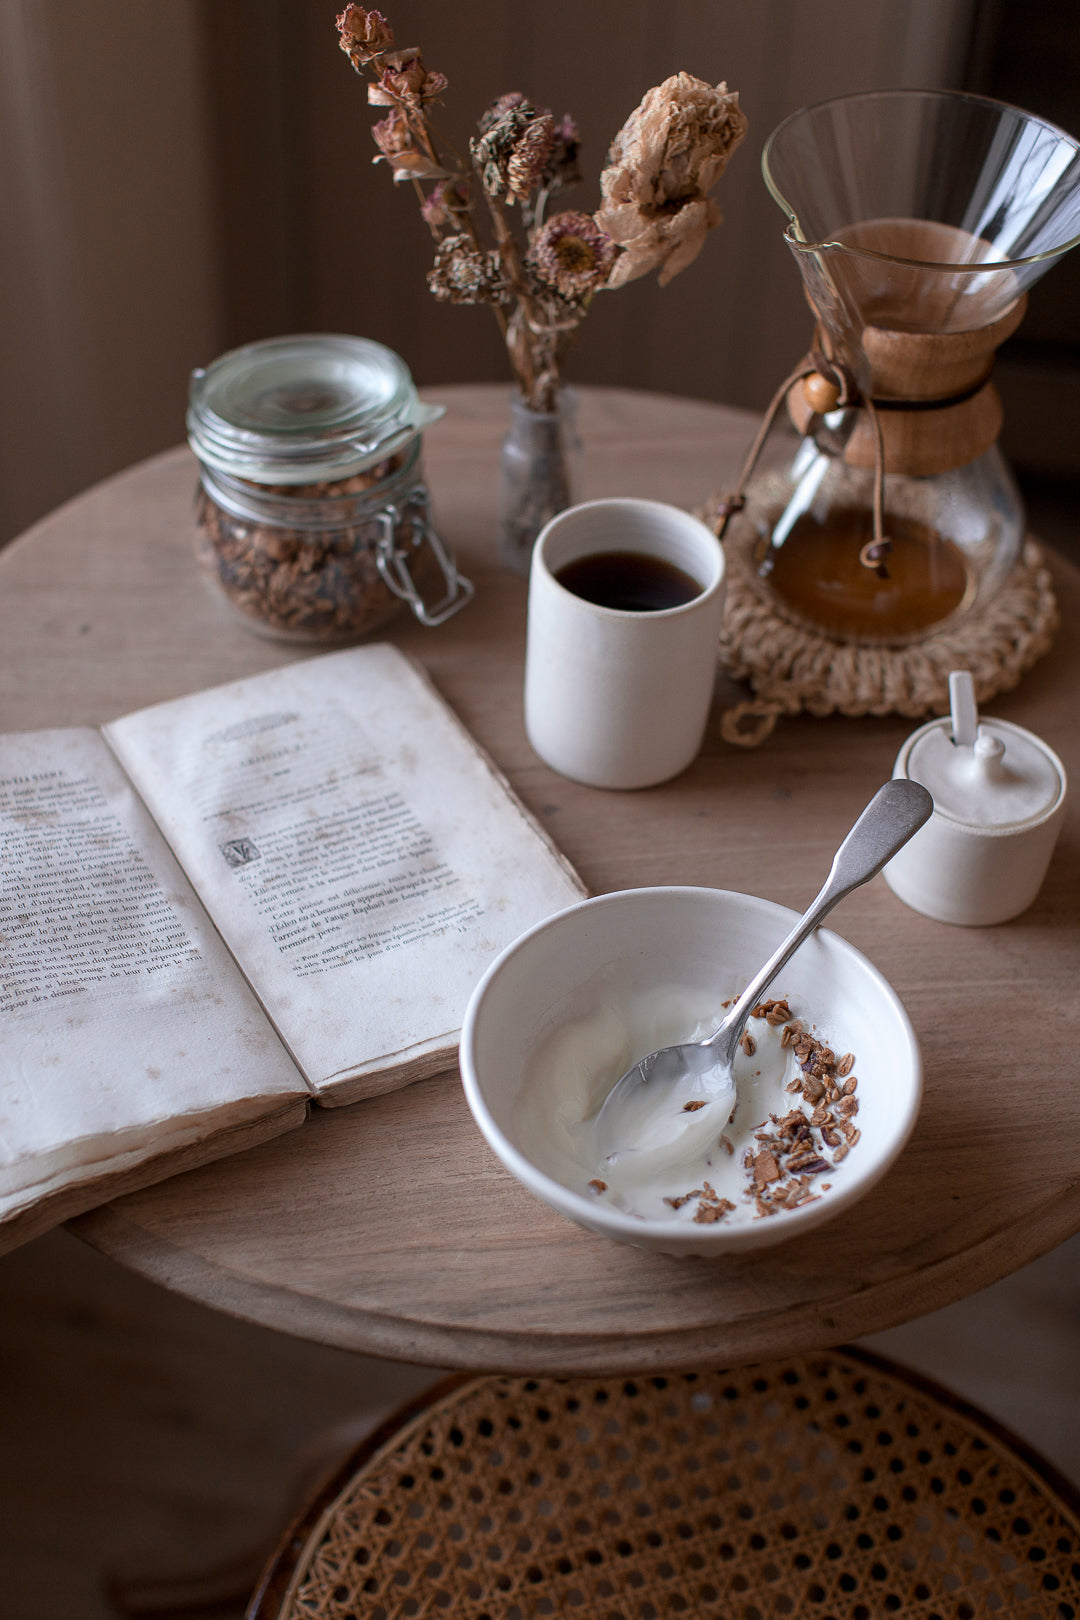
{"x":312,"y":516}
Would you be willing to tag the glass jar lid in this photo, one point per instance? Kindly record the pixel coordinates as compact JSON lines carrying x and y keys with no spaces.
{"x":299,"y":409}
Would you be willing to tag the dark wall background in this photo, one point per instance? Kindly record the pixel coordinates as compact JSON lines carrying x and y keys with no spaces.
{"x":176,"y":181}
{"x":1028,"y":52}
{"x":318,"y":236}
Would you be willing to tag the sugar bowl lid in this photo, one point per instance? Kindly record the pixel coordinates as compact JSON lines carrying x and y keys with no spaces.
{"x":990,"y":775}
{"x":309,"y":407}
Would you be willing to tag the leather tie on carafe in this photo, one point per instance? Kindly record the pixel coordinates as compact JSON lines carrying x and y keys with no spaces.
{"x":817,"y":363}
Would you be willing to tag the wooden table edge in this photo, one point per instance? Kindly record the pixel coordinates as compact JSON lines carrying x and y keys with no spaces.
{"x":826,"y":1323}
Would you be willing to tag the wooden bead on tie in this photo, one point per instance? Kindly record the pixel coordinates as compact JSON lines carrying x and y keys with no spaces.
{"x":820,"y":394}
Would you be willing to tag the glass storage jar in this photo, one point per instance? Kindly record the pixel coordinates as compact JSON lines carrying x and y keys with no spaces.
{"x":312,"y":516}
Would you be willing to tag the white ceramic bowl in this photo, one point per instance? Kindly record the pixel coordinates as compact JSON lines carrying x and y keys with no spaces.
{"x":599,"y":966}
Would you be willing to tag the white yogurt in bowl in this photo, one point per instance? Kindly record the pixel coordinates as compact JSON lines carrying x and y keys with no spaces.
{"x":677,"y":1163}
{"x":576,"y":1001}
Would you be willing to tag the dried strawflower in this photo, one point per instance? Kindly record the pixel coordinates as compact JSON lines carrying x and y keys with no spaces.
{"x":528,"y":161}
{"x":562,"y":165}
{"x":499,"y":107}
{"x":572,"y":254}
{"x":464,"y":274}
{"x":663,"y":161}
{"x":512,"y":147}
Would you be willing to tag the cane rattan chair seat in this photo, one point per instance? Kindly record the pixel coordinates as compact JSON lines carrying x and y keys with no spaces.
{"x":831,"y":1486}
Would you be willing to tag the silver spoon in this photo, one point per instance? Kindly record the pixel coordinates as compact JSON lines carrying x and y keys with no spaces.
{"x":703,"y":1069}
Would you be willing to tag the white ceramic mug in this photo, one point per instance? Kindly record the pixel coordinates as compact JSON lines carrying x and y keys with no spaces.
{"x":614,"y":697}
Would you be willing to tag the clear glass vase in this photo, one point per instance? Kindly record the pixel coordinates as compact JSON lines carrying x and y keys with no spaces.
{"x":918,"y":220}
{"x":539,"y":475}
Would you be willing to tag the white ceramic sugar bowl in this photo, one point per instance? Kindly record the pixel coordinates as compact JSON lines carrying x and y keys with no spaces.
{"x":999,"y":800}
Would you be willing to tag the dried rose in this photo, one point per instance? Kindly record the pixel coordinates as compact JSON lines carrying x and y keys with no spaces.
{"x":392,"y":134}
{"x":572,"y":254}
{"x":405,"y":81}
{"x":513,"y":146}
{"x":464,"y":274}
{"x":364,"y":34}
{"x":394,"y":137}
{"x":663,"y":161}
{"x":443,"y":206}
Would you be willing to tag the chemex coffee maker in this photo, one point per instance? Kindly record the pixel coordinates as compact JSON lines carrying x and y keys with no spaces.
{"x":880,"y":504}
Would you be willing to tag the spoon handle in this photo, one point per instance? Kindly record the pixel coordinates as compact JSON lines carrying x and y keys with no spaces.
{"x":896,"y":811}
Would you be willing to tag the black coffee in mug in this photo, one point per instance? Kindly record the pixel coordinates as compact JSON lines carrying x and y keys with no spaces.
{"x":630,"y":581}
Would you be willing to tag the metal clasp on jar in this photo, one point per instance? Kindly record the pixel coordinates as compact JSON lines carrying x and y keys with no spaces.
{"x":392,"y":560}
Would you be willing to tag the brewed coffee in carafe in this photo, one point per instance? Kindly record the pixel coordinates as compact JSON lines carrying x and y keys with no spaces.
{"x":882,"y":507}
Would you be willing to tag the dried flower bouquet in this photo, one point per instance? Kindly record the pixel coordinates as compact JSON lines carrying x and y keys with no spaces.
{"x":539,"y":273}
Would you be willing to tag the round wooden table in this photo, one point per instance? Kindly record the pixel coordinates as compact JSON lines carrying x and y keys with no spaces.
{"x":389,"y":1227}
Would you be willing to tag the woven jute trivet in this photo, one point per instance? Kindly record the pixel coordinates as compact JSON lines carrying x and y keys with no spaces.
{"x":792,"y":669}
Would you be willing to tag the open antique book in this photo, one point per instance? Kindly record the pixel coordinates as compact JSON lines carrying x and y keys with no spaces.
{"x":218,"y":909}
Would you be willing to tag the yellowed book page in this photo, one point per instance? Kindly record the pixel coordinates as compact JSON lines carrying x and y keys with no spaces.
{"x":125,"y":1028}
{"x":359,"y":854}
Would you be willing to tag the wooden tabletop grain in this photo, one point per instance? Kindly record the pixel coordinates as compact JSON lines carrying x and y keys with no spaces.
{"x":389,"y":1227}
